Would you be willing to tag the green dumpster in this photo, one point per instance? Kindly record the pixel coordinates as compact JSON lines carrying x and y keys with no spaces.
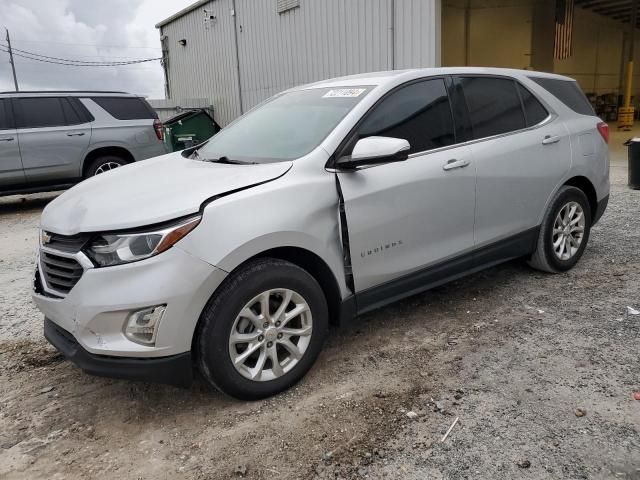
{"x":188,"y":128}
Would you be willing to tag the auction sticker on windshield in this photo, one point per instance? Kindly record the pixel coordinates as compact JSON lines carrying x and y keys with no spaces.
{"x":344,"y":93}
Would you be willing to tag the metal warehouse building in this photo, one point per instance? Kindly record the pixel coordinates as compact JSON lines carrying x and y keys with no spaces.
{"x":239,"y":52}
{"x":232,"y":54}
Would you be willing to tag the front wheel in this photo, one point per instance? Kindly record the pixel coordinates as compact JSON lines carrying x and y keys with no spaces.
{"x":564,"y":232}
{"x":263,"y":330}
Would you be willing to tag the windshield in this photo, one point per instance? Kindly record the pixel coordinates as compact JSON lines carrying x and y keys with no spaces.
{"x":285,"y":128}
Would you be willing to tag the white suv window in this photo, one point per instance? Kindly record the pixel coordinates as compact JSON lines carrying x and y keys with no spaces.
{"x":494,"y":105}
{"x":533,"y":109}
{"x":419,"y":113}
{"x":5,"y":118}
{"x":126,"y":108}
{"x":38,"y":112}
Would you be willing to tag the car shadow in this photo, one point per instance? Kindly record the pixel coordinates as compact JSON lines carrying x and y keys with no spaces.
{"x":25,"y":203}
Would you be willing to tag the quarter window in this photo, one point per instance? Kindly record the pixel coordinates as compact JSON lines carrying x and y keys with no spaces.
{"x":494,"y":105}
{"x":126,"y":108}
{"x":533,"y":109}
{"x":420,"y":113}
{"x":568,"y":92}
{"x":39,"y":112}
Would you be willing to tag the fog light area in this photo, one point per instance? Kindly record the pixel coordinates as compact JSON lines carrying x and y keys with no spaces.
{"x":142,"y":326}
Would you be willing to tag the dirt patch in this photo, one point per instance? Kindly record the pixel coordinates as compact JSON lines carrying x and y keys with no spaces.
{"x":26,"y":354}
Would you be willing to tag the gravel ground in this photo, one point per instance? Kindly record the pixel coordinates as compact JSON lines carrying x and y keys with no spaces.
{"x":539,"y":369}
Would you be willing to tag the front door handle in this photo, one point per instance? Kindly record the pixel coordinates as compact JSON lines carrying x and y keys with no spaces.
{"x":453,"y":164}
{"x":75,"y":134}
{"x":6,"y":139}
{"x":548,"y":139}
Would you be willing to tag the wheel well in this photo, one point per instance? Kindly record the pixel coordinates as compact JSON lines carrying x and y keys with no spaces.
{"x":313,"y":264}
{"x":101,"y":152}
{"x":584,"y":184}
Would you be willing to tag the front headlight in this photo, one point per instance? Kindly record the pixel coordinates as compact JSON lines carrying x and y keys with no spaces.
{"x":118,"y":248}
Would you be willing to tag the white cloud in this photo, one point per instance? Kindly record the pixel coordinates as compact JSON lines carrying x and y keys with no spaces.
{"x":86,"y":30}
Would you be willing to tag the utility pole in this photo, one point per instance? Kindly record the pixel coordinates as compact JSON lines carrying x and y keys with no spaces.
{"x":13,"y":66}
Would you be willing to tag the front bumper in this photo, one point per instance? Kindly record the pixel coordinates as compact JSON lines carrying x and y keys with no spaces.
{"x":96,"y":309}
{"x":173,"y":370}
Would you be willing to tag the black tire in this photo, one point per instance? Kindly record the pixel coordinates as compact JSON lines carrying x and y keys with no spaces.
{"x":544,"y":257}
{"x":96,"y":164}
{"x":217,"y":320}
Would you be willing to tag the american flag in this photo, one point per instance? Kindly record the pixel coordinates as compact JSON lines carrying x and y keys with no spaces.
{"x":564,"y":29}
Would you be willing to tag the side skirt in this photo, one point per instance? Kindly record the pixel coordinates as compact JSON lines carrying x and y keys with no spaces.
{"x":519,"y":245}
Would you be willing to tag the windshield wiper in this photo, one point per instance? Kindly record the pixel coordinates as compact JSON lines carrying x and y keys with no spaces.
{"x":228,"y":160}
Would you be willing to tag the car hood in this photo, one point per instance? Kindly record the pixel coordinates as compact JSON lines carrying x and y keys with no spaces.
{"x":149,"y":192}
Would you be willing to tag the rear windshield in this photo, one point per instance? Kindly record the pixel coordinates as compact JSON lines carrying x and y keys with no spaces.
{"x":126,"y":108}
{"x":568,"y":92}
{"x":286,"y":127}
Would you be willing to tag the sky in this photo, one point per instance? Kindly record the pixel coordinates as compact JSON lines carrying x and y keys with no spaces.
{"x":89,"y":30}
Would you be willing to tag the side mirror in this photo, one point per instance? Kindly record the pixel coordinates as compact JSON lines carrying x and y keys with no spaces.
{"x":376,"y":151}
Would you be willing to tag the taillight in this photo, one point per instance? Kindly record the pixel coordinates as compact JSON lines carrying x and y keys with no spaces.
{"x":157,"y":126}
{"x":603,"y":128}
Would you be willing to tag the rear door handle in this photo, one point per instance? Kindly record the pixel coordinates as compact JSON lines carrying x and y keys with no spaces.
{"x":75,"y":134}
{"x":548,"y":139}
{"x":453,"y":164}
{"x":6,"y":139}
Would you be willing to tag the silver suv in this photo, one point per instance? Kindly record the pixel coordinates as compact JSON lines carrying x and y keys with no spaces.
{"x":325,"y":202}
{"x":51,"y":140}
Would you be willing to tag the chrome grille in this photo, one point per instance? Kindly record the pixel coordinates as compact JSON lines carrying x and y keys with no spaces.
{"x":65,"y":243}
{"x":60,"y":273}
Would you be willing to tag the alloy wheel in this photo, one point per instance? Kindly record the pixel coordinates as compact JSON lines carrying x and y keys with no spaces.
{"x":270,"y":334}
{"x":105,"y":167}
{"x":568,"y":231}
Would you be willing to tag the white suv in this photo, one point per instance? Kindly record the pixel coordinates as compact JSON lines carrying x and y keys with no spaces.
{"x":326,"y":201}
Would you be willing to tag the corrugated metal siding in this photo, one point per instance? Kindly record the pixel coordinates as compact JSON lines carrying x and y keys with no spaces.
{"x":417,"y":33}
{"x":318,"y":40}
{"x":205,"y":67}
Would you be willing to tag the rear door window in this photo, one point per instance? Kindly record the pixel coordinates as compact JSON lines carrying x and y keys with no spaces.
{"x":126,"y":108}
{"x":36,"y":112}
{"x":419,"y":113}
{"x":6,"y":117}
{"x":494,"y":105}
{"x":534,"y":111}
{"x":568,"y":92}
{"x":70,"y":114}
{"x":80,"y":109}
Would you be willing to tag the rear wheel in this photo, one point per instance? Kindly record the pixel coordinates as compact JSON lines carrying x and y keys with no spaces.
{"x":564,"y":232}
{"x":104,"y":164}
{"x":263,"y":330}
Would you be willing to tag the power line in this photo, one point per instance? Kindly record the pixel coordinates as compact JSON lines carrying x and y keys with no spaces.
{"x":104,"y":56}
{"x":88,"y":44}
{"x":76,"y":61}
{"x":55,"y":62}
